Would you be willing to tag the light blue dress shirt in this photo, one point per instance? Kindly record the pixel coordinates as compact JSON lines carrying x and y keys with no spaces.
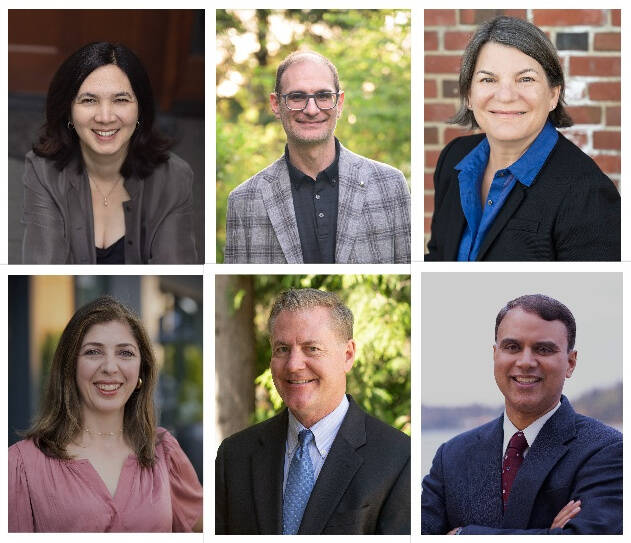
{"x":324,"y":432}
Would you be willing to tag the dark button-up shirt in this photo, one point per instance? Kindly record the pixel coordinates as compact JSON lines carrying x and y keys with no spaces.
{"x":315,"y":207}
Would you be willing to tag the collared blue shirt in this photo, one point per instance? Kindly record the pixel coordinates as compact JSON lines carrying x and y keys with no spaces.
{"x":471,"y":171}
{"x":324,"y":433}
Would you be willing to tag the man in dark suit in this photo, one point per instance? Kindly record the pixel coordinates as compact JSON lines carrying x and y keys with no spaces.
{"x":319,"y":202}
{"x":323,"y":466}
{"x":541,"y":468}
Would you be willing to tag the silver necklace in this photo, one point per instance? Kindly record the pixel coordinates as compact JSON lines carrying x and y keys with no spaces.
{"x":106,"y":202}
{"x":107,"y":434}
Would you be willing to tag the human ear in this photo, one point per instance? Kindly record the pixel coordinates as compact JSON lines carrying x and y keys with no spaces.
{"x":274,"y":101}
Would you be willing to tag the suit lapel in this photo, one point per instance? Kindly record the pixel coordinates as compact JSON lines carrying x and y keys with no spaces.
{"x":353,"y":186}
{"x":549,"y":447}
{"x":457,"y":221}
{"x":267,"y":471}
{"x":279,"y":204}
{"x":508,"y":209}
{"x":338,"y":471}
{"x":484,"y":476}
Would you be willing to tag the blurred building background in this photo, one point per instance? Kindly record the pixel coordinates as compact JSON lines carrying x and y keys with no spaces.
{"x":171,"y":308}
{"x":170,"y":44}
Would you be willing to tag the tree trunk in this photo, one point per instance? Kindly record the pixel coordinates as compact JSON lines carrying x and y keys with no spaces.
{"x":234,"y":353}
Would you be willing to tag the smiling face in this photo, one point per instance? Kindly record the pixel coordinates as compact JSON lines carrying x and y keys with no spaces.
{"x":104,"y":113}
{"x":531,"y":363}
{"x":309,"y":363}
{"x":510,"y":96}
{"x":108,"y":367}
{"x":311,"y":125}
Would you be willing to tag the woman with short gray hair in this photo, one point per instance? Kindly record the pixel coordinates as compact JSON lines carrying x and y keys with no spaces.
{"x":520,"y":190}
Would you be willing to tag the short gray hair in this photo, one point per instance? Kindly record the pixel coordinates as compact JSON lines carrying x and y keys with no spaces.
{"x":299,"y":299}
{"x":528,"y":39}
{"x":299,"y":56}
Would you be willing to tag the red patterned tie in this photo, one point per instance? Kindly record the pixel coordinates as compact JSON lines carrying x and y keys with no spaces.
{"x":512,"y":462}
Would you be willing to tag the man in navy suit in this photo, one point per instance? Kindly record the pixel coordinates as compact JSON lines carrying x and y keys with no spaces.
{"x":566,"y":473}
{"x":323,"y":466}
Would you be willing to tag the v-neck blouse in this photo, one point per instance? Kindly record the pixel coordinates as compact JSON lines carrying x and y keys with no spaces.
{"x":51,"y":495}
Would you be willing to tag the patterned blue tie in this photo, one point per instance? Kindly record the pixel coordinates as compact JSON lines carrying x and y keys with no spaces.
{"x":299,"y":484}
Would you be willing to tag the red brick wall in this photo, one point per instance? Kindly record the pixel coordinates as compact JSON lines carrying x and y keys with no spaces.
{"x":588,"y":42}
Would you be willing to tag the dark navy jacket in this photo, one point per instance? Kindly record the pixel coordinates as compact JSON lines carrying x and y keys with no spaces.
{"x":573,"y":457}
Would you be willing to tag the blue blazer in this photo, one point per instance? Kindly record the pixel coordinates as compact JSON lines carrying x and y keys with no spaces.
{"x":573,"y":457}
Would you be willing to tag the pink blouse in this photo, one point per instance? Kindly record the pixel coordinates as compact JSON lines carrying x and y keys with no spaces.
{"x":51,"y":495}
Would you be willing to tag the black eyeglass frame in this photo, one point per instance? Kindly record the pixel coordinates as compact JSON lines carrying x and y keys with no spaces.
{"x":309,"y":97}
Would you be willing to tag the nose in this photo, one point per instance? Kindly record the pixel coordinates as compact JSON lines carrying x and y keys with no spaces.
{"x":506,"y":92}
{"x":527,"y":359}
{"x":295,"y":360}
{"x":109,"y":364}
{"x":311,"y":108}
{"x":105,"y":112}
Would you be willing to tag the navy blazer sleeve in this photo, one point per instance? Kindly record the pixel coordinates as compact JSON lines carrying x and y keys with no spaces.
{"x":594,"y":478}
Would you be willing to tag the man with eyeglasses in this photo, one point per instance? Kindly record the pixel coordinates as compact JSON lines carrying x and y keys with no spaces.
{"x":319,"y":203}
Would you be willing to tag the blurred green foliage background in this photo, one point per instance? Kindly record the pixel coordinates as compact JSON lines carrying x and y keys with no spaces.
{"x":380,"y":378}
{"x":371,"y":50}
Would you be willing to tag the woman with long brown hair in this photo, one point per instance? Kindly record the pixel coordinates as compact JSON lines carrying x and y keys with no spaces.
{"x":94,"y":460}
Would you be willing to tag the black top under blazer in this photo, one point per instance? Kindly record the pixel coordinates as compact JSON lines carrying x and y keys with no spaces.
{"x":570,"y":212}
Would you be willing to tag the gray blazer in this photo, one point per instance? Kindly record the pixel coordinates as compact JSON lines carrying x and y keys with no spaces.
{"x":373,"y":221}
{"x":60,"y":223}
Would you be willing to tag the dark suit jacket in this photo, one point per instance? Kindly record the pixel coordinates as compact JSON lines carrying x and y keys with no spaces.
{"x":573,"y":457}
{"x":363,"y":487}
{"x":59,"y":219}
{"x":570,"y":212}
{"x":373,"y":216}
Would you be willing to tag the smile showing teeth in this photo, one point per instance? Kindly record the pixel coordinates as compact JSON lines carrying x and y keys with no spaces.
{"x":109,"y":388}
{"x":301,"y":382}
{"x":527,"y":380}
{"x":104,"y":134}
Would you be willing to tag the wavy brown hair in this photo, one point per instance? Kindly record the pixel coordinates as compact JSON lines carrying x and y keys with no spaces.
{"x":59,"y":420}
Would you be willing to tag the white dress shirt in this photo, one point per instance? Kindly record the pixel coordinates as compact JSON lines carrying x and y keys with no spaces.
{"x":530,"y":433}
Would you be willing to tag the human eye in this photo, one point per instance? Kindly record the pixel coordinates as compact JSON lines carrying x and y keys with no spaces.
{"x":526,"y":79}
{"x":281,"y":349}
{"x":545,"y":349}
{"x":87,"y":100}
{"x":487,"y":80}
{"x":91,"y":351}
{"x":296,"y":99}
{"x":126,"y":353}
{"x":511,"y":347}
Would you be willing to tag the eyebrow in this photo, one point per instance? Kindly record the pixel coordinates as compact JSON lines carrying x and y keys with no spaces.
{"x":315,"y":92}
{"x":97,"y":344}
{"x":549,"y":344}
{"x":115,"y":95}
{"x":518,"y":73}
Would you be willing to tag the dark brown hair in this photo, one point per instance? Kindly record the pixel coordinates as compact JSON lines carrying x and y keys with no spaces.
{"x":528,"y":39}
{"x":147,"y":148}
{"x":59,"y":420}
{"x":545,"y":308}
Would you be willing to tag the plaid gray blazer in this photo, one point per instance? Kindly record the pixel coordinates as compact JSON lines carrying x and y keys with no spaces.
{"x":373,"y":220}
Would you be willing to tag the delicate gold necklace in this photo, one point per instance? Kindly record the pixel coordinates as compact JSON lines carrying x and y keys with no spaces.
{"x":106,"y":434}
{"x":106,"y":202}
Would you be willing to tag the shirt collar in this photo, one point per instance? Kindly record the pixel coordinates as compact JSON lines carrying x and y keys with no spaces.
{"x":322,"y":430}
{"x":331,"y":171}
{"x":530,"y":432}
{"x":526,"y":167}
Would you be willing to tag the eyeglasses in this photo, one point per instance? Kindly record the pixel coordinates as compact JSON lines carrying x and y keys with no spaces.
{"x":297,"y":101}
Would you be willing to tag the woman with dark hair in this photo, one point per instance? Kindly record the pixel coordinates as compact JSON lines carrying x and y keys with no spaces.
{"x":94,"y":460}
{"x":521,"y":190}
{"x":100,"y":186}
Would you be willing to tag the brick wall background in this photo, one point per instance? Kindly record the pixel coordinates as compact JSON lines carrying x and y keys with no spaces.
{"x":588,"y":42}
